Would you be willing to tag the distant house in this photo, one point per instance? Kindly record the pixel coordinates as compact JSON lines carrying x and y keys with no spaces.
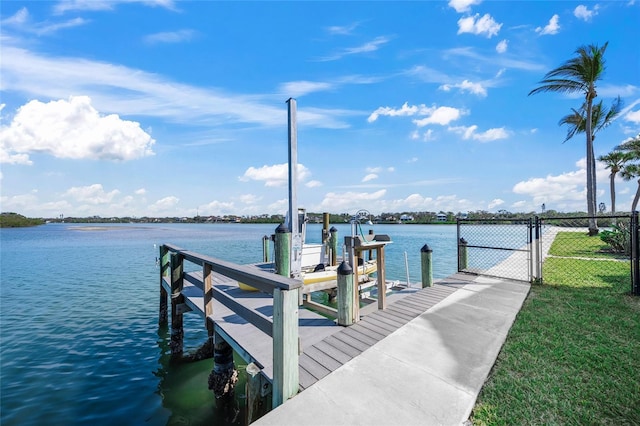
{"x":441,"y":217}
{"x":406,"y":218}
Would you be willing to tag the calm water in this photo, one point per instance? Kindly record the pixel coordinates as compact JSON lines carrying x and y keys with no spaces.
{"x":79,"y":340}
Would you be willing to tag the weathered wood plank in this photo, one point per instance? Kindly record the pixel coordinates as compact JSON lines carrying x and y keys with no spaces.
{"x":375,"y":330}
{"x":369,"y":331}
{"x":313,"y":366}
{"x":333,"y":352}
{"x":378,"y":324}
{"x":285,"y":345}
{"x":357,"y":335}
{"x":384,"y":321}
{"x":322,"y":358}
{"x":346,"y":344}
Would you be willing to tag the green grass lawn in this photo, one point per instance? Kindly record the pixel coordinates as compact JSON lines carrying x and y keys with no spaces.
{"x":573,"y":353}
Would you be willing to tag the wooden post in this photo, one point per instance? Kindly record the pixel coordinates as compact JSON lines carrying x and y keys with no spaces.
{"x":177,"y":331}
{"x":223,"y":379}
{"x":462,"y":255}
{"x":285,"y":345}
{"x":207,"y":279}
{"x":382,"y":279}
{"x":164,"y":271}
{"x":345,"y":294}
{"x":256,"y":398}
{"x":265,"y":249}
{"x":334,"y":245}
{"x":283,"y":250}
{"x":427,"y":268}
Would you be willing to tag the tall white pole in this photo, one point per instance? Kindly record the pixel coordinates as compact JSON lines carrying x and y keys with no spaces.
{"x":296,"y":238}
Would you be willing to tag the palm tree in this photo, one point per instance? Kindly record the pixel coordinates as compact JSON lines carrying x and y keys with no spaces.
{"x":615,"y":161}
{"x":579,"y":75}
{"x":632,"y":170}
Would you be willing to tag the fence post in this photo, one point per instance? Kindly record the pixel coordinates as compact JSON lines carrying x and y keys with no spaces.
{"x":164,"y":268}
{"x":285,"y":345}
{"x":462,"y":254}
{"x":538,"y":249}
{"x":345,"y":294}
{"x":427,"y":267}
{"x":635,"y":251}
{"x":177,"y":299}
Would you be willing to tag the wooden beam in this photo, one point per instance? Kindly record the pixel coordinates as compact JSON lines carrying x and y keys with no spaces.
{"x":285,"y":345}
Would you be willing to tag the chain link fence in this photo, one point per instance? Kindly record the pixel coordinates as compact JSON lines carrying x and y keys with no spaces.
{"x":570,"y":255}
{"x":539,"y":247}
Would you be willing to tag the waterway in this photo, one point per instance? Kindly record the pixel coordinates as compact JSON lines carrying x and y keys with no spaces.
{"x":79,"y":335}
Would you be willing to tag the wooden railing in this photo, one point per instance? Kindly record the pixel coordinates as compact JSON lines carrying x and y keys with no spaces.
{"x":283,"y":327}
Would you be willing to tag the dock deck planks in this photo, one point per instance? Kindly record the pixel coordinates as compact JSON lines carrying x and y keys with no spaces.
{"x":325,"y":345}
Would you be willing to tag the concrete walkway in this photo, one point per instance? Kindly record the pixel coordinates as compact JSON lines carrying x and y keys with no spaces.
{"x":428,"y":372}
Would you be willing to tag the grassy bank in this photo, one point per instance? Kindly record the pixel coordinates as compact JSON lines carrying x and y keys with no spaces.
{"x":571,"y":356}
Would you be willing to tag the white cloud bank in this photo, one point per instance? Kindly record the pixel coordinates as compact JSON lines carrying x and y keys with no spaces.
{"x":434,"y":115}
{"x":583,"y":12}
{"x":551,"y":28}
{"x":276,"y":175}
{"x":463,"y":5}
{"x":477,"y":25}
{"x":71,"y":129}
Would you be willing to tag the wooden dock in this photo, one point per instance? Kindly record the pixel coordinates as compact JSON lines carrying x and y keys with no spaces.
{"x":258,"y":325}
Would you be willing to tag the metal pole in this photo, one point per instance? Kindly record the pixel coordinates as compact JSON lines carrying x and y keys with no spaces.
{"x":296,"y":238}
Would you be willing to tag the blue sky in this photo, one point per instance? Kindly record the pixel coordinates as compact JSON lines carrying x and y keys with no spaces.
{"x":178,"y":108}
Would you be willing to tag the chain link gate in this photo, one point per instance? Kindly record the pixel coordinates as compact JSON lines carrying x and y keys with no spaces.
{"x":522,"y":249}
{"x":499,"y":247}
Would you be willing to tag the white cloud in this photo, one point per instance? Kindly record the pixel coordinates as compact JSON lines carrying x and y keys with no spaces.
{"x":170,"y":37}
{"x":217,"y":208}
{"x":249,"y":198}
{"x":502,"y":46}
{"x":72,"y":129}
{"x":466,"y":86}
{"x":92,"y":194}
{"x":566,"y":191}
{"x":404,"y":110}
{"x":140,"y":191}
{"x":551,"y":28}
{"x":583,"y":12}
{"x":463,"y":5}
{"x":633,"y":116}
{"x":165,"y":205}
{"x":370,"y":46}
{"x":412,"y":160}
{"x":480,"y":26}
{"x":19,"y":18}
{"x":342,"y":29}
{"x":295,"y":89}
{"x":130,"y":91}
{"x":348,"y":201}
{"x":441,"y":116}
{"x":370,"y":176}
{"x":71,"y":5}
{"x":276,"y":175}
{"x":489,"y":135}
{"x":313,"y":184}
{"x":495,"y":203}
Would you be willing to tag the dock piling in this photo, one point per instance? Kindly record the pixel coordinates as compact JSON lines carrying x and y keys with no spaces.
{"x":346,"y":289}
{"x":462,"y":255}
{"x":177,"y":300}
{"x":334,"y":245}
{"x":164,"y":271}
{"x":427,"y":267}
{"x":283,"y":251}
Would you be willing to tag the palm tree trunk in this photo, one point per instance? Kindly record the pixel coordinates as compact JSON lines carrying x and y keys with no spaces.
{"x":612,"y":189}
{"x":591,"y":168}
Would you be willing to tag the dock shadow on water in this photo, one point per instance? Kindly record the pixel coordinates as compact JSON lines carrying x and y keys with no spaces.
{"x":183,"y":387}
